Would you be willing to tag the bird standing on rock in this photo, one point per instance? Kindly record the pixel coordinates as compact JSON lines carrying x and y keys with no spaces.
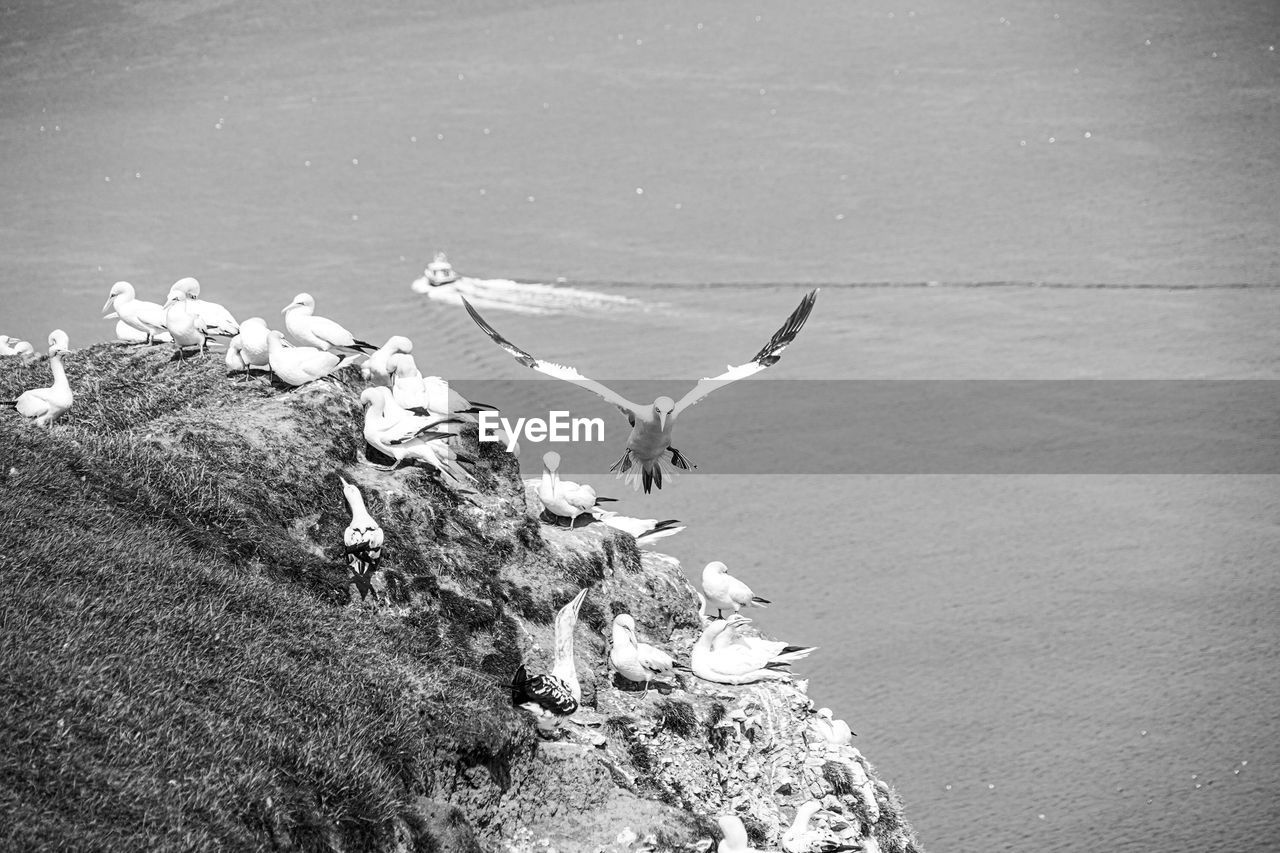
{"x":645,"y":460}
{"x":45,"y":405}
{"x":319,"y":332}
{"x":300,"y":365}
{"x":565,"y":498}
{"x":558,"y":693}
{"x":403,"y":435}
{"x":733,"y":663}
{"x":725,"y":592}
{"x":803,"y":838}
{"x":634,"y":660}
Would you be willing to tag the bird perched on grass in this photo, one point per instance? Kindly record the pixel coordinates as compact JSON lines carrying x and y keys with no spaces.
{"x":362,"y":540}
{"x":565,"y":498}
{"x":184,"y":326}
{"x":557,"y":693}
{"x":15,"y":346}
{"x":255,"y":343}
{"x":45,"y":405}
{"x":300,"y":365}
{"x":801,"y":837}
{"x":319,"y":332}
{"x":725,"y":592}
{"x":209,"y":316}
{"x":645,"y":460}
{"x":634,"y":660}
{"x":145,"y":318}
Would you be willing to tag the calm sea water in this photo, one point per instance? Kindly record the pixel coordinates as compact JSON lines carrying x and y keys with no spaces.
{"x":1046,"y":663}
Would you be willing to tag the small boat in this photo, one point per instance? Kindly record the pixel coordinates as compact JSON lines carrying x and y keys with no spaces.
{"x":439,"y":272}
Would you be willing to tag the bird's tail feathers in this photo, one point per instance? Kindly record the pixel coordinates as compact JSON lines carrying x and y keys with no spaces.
{"x":794,"y":653}
{"x":760,"y":602}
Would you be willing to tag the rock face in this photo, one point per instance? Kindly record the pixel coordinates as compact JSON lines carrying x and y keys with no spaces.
{"x":353,"y":713}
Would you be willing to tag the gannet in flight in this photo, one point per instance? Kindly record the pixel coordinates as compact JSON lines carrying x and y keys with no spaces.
{"x":725,"y":592}
{"x":644,"y":461}
{"x":210,"y":316}
{"x":319,"y":332}
{"x":404,"y":435}
{"x":803,"y":838}
{"x":833,"y":731}
{"x":646,"y":531}
{"x":300,"y":365}
{"x":45,"y":405}
{"x":564,"y":498}
{"x":634,"y":660}
{"x":146,"y":318}
{"x":732,"y":663}
{"x":557,"y":693}
{"x":362,"y":539}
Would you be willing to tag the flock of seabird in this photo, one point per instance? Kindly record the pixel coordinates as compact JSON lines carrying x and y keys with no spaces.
{"x":412,"y":418}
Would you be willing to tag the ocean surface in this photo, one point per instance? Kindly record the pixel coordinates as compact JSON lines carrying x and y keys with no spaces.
{"x":983,"y":191}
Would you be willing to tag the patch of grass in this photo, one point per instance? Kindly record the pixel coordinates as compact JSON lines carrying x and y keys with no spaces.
{"x":839,"y":777}
{"x":677,"y":716}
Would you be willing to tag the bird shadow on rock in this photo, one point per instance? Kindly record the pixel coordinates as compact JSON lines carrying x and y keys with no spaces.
{"x":628,"y":686}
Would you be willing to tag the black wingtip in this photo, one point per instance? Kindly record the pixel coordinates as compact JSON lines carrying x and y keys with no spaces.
{"x":664,"y":525}
{"x":758,"y":600}
{"x":772,"y":351}
{"x":610,"y":500}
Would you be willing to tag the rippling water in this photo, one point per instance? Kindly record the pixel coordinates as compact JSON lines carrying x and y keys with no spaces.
{"x":1037,"y":662}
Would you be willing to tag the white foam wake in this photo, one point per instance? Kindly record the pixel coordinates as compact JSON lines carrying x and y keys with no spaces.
{"x":525,"y":297}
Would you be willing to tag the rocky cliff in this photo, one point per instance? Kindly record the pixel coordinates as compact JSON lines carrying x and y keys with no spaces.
{"x":188,"y":662}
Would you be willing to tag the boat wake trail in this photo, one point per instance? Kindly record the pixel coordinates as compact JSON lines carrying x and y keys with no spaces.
{"x":527,"y":297}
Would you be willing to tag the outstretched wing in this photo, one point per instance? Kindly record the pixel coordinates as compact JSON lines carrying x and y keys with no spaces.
{"x":767,"y":357}
{"x":559,"y":371}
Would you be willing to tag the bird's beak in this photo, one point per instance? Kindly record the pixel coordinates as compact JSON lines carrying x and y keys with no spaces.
{"x":170,"y":302}
{"x":285,"y":309}
{"x":662,"y":420}
{"x":107,"y":304}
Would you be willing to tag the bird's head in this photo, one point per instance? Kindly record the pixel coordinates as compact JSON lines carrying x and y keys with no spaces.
{"x":120,"y":288}
{"x":662,"y":408}
{"x":187,"y":285}
{"x":275,"y":340}
{"x":623,"y":623}
{"x":176,"y":296}
{"x":58,"y":342}
{"x":551,"y":460}
{"x":302,"y":300}
{"x":398,"y":343}
{"x":374,"y":396}
{"x":23,"y":348}
{"x":350,"y":490}
{"x":254,"y":323}
{"x":714,"y":569}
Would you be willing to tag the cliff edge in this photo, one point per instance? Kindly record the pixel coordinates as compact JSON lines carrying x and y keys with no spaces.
{"x":188,"y":663}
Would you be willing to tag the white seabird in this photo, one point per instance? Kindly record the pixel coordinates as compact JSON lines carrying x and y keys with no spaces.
{"x":319,"y":332}
{"x":634,"y":660}
{"x":45,"y":405}
{"x":645,"y":530}
{"x":774,"y":650}
{"x":803,"y":838}
{"x":15,"y":346}
{"x":404,"y":435}
{"x":184,"y":327}
{"x":725,"y":592}
{"x":377,"y":368}
{"x":732,"y":663}
{"x":833,"y":731}
{"x":300,"y":365}
{"x":645,"y":460}
{"x":559,"y":692}
{"x":363,"y":537}
{"x":210,"y":316}
{"x":565,"y":498}
{"x":255,"y":343}
{"x":735,"y":836}
{"x":146,"y":318}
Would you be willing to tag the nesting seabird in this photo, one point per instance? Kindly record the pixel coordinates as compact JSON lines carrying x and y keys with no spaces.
{"x":407,"y":436}
{"x":300,"y":365}
{"x":557,"y":693}
{"x":725,"y":592}
{"x":15,"y":346}
{"x":362,"y":539}
{"x":565,"y":498}
{"x":735,"y":836}
{"x":45,"y":405}
{"x":733,"y":663}
{"x":319,"y":332}
{"x":801,"y":837}
{"x":774,"y":650}
{"x":634,"y":660}
{"x":833,"y":731}
{"x":209,"y":316}
{"x":145,"y":318}
{"x":645,"y":530}
{"x":255,"y":343}
{"x":645,"y":460}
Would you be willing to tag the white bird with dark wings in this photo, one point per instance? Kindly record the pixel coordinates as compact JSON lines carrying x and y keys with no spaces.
{"x":565,"y":498}
{"x":362,"y":540}
{"x":802,"y":837}
{"x":557,"y":693}
{"x":634,"y":660}
{"x":645,"y":460}
{"x":725,"y":592}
